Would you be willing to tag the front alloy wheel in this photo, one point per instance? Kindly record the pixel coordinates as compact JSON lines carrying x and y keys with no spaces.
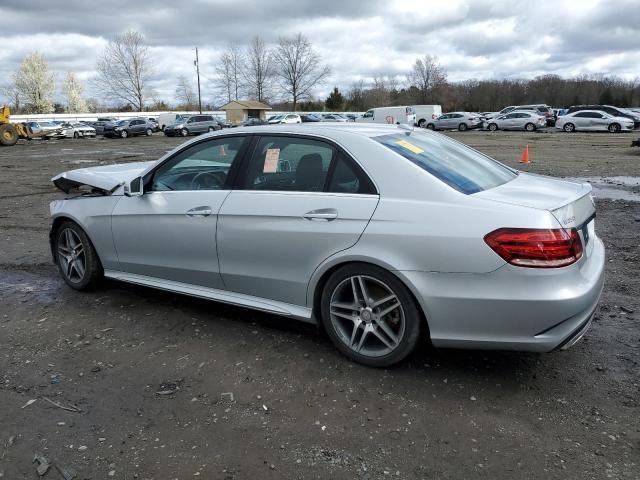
{"x":75,"y":256}
{"x":370,"y":316}
{"x":124,"y":134}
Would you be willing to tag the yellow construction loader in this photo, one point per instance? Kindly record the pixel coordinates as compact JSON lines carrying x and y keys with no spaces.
{"x":11,"y":132}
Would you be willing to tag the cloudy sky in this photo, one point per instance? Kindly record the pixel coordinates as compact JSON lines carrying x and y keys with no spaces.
{"x":358,"y":39}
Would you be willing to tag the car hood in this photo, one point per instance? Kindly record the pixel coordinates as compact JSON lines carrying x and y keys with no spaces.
{"x":105,"y":178}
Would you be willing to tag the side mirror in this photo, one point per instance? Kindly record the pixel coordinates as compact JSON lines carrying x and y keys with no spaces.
{"x":135,"y":188}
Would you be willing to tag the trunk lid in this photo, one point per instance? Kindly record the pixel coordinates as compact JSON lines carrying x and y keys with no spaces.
{"x":569,"y":202}
{"x":105,"y":178}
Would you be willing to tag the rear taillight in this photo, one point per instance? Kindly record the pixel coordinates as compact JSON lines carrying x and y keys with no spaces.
{"x":536,"y":248}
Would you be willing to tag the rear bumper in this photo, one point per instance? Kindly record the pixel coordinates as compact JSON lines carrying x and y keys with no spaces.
{"x":512,"y":308}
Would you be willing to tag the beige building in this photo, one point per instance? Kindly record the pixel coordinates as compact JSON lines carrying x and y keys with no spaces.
{"x":240,"y":110}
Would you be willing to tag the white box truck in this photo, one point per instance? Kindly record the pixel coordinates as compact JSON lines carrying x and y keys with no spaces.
{"x":391,"y":115}
{"x":425,"y":113}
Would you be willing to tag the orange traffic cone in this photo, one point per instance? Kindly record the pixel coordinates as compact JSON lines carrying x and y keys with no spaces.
{"x":221,"y":151}
{"x":525,"y":155}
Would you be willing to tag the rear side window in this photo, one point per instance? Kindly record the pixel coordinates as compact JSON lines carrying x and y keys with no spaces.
{"x":455,"y":164}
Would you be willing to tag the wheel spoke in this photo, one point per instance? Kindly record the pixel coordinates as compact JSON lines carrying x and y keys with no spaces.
{"x":343,"y":315}
{"x":389,"y":309}
{"x":388,"y":332}
{"x":69,"y":268}
{"x":78,"y":249}
{"x":79,"y":268}
{"x":382,"y":338}
{"x":346,"y":306}
{"x":64,"y":251}
{"x":365,"y":332}
{"x":356,"y":326}
{"x":354,"y":290}
{"x":363,"y":289}
{"x":384,"y":300}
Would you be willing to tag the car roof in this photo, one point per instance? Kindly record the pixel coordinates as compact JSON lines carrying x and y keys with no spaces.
{"x":319,"y":128}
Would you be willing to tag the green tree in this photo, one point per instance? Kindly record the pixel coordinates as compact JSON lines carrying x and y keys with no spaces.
{"x":335,"y":101}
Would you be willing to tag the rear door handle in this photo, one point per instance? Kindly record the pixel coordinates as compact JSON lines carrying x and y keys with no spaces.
{"x":324,"y":214}
{"x":199,"y":212}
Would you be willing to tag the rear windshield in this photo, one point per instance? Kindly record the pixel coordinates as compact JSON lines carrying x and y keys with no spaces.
{"x":455,"y":164}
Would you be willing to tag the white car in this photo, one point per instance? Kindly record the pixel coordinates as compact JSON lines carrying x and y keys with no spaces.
{"x":288,"y":118}
{"x":594,"y":120}
{"x":78,"y":130}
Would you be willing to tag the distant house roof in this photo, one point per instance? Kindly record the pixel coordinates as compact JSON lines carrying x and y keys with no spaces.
{"x":245,"y":104}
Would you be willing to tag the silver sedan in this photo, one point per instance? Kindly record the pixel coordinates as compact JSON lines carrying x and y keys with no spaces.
{"x":380,"y":233}
{"x":594,"y":120}
{"x":455,"y":121}
{"x":516,"y":120}
{"x":78,"y":130}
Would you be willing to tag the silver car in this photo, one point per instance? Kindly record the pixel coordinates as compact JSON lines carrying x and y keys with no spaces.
{"x":516,"y":120}
{"x":455,"y":120}
{"x":78,"y":130}
{"x":380,"y":233}
{"x":594,"y":120}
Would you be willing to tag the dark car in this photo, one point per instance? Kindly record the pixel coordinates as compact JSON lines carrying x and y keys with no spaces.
{"x":100,"y":124}
{"x":129,"y":128}
{"x":252,"y":122}
{"x":308,"y":118}
{"x":615,"y":111}
{"x":223,"y":123}
{"x":193,"y":125}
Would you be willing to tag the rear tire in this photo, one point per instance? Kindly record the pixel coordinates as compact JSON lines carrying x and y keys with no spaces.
{"x":378,"y":325}
{"x":184,"y":132}
{"x":569,"y":127}
{"x":614,"y":128}
{"x":529,"y":127}
{"x":211,"y":129}
{"x":76,"y":135}
{"x":431,"y":126}
{"x":493,"y":127}
{"x":75,"y":256}
{"x":462,"y":127}
{"x":149,"y":132}
{"x":8,"y":135}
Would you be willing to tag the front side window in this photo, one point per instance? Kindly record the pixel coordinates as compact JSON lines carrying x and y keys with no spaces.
{"x":455,"y":164}
{"x":203,"y":166}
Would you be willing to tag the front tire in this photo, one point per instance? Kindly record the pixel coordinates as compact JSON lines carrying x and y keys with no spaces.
{"x":370,"y":315}
{"x":431,"y":126}
{"x":614,"y":128}
{"x":184,"y":132}
{"x":76,"y":135}
{"x":149,"y":132}
{"x":124,"y":134}
{"x":211,"y":129}
{"x":76,"y":258}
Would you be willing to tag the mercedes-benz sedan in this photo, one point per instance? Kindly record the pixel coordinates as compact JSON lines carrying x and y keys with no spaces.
{"x":384,"y":234}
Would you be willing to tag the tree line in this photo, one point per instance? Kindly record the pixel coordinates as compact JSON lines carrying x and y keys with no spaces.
{"x":286,"y":76}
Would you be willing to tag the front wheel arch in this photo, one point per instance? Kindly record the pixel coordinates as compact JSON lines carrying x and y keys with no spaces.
{"x":322,"y":281}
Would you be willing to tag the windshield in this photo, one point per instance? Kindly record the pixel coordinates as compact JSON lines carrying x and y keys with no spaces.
{"x":457,"y":165}
{"x":122,"y":122}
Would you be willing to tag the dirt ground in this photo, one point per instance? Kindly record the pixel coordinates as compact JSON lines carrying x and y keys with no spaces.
{"x":162,"y":386}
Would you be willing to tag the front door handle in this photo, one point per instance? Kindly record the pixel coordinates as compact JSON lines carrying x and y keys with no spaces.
{"x":324,"y":214}
{"x":199,"y":212}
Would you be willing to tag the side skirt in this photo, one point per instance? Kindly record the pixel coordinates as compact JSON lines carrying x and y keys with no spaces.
{"x":256,"y":303}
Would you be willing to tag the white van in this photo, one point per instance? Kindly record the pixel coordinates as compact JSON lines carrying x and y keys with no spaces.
{"x":171,"y":118}
{"x":390,"y":115}
{"x":425,"y":113}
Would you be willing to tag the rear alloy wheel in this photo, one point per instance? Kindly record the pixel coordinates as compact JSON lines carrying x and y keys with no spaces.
{"x":77,"y":260}
{"x":149,"y":132}
{"x":431,"y":126}
{"x":529,"y":127}
{"x":124,"y":134}
{"x":614,"y":128}
{"x":569,"y":127}
{"x":493,"y":127}
{"x":76,"y":135}
{"x":462,"y":127}
{"x":184,"y":132}
{"x":370,"y":315}
{"x":211,"y":129}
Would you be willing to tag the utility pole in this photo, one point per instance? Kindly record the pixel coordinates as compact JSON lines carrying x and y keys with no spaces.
{"x":197,"y":64}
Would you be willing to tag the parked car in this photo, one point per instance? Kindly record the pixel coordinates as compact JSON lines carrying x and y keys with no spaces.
{"x":154,"y":124}
{"x":455,"y":120}
{"x":594,"y":120}
{"x":380,"y":232}
{"x":287,"y":118}
{"x":171,"y":118}
{"x":516,"y":120}
{"x":223,"y":122}
{"x":310,"y":118}
{"x":129,"y":128}
{"x":351,"y":116}
{"x":49,"y":130}
{"x":615,"y":111}
{"x":78,"y":130}
{"x":541,"y":109}
{"x":252,"y":122}
{"x":193,"y":125}
{"x":100,"y":124}
{"x":333,"y":117}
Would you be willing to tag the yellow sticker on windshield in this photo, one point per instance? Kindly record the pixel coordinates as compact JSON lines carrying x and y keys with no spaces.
{"x":410,"y":146}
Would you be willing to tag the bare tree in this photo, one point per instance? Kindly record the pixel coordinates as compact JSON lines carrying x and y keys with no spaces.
{"x":229,"y":70}
{"x":124,"y":69}
{"x":73,"y":90}
{"x":36,"y":84}
{"x":11,"y":92}
{"x":258,"y":71}
{"x":427,"y":76}
{"x":184,"y":93}
{"x":298,"y":67}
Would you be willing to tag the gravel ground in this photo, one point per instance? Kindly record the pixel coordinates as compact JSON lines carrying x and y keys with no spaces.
{"x":161,"y":386}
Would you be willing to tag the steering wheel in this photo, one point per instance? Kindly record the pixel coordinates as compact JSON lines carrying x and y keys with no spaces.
{"x":207,"y":181}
